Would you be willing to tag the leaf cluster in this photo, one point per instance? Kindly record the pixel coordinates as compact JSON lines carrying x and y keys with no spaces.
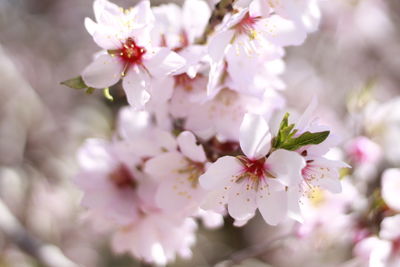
{"x":287,"y":139}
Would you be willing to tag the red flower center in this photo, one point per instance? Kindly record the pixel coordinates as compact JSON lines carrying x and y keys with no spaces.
{"x":246,"y":25}
{"x":130,"y":52}
{"x":122,"y":177}
{"x":255,"y":169}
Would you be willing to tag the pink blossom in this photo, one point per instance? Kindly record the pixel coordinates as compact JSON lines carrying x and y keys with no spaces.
{"x":363,"y":150}
{"x":253,"y":181}
{"x":125,"y":35}
{"x":157,"y":238}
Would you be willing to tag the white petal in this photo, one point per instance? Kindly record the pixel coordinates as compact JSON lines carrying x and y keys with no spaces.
{"x":189,"y":148}
{"x":165,"y":165}
{"x":162,"y":62}
{"x":90,"y":26}
{"x":218,"y":45}
{"x":255,"y":139}
{"x":142,"y":13}
{"x":259,"y":8}
{"x":135,"y":84}
{"x":391,"y":188}
{"x":195,"y":15}
{"x":294,"y":210}
{"x":107,"y":38}
{"x":104,"y":10}
{"x":281,"y":32}
{"x":304,"y":121}
{"x":94,"y":154}
{"x":287,"y":166}
{"x":178,"y":193}
{"x":220,"y":172}
{"x":103,"y":72}
{"x":273,"y":206}
{"x":241,"y":202}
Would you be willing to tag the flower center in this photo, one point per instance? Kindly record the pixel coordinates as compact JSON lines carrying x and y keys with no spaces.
{"x":193,"y":170}
{"x":122,"y":177}
{"x":254,"y":170}
{"x":131,"y":52}
{"x":246,"y":26}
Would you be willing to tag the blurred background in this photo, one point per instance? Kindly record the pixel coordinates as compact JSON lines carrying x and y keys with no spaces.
{"x":44,"y":42}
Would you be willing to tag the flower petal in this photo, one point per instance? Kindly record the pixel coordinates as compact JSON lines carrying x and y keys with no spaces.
{"x":103,"y":72}
{"x":255,"y":138}
{"x":220,"y":172}
{"x":241,"y":202}
{"x":218,"y":45}
{"x":189,"y":148}
{"x":162,"y":62}
{"x":135,"y":83}
{"x":163,"y":166}
{"x":287,"y":166}
{"x":273,"y":206}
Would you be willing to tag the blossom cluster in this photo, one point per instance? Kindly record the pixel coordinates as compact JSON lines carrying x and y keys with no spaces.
{"x":205,"y":134}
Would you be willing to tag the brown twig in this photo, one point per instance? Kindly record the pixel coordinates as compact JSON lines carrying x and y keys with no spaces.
{"x":220,"y":10}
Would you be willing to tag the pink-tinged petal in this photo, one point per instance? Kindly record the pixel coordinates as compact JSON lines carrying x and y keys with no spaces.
{"x":280,"y":31}
{"x":132,"y":123}
{"x":104,"y":11}
{"x":220,"y":173}
{"x":390,"y":229}
{"x":103,"y":72}
{"x":255,"y":138}
{"x":90,"y":26}
{"x":210,"y":219}
{"x":273,"y":206}
{"x":216,"y":200}
{"x":195,"y":15}
{"x":259,"y":8}
{"x":241,"y":223}
{"x":329,"y":183}
{"x":177,"y":192}
{"x":391,"y":188}
{"x":294,"y":210}
{"x":94,"y":154}
{"x":135,"y":84}
{"x":306,"y":118}
{"x":286,"y":166}
{"x":218,"y":44}
{"x":162,"y":62}
{"x":214,"y":79}
{"x":189,"y":148}
{"x":107,"y":38}
{"x":142,"y":14}
{"x":165,"y":165}
{"x":241,"y":202}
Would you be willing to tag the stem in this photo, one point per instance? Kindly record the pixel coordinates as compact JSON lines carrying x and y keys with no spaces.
{"x":220,"y":10}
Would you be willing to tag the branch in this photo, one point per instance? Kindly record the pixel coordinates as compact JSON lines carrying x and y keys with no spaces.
{"x":220,"y":10}
{"x":47,"y":254}
{"x":253,"y":251}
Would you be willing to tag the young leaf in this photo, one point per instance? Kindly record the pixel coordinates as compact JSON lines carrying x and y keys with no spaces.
{"x":305,"y":139}
{"x":75,"y":83}
{"x":285,"y":138}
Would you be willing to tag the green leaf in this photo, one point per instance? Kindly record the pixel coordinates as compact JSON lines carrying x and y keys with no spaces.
{"x":305,"y":139}
{"x":107,"y":94}
{"x":75,"y":83}
{"x":285,"y":138}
